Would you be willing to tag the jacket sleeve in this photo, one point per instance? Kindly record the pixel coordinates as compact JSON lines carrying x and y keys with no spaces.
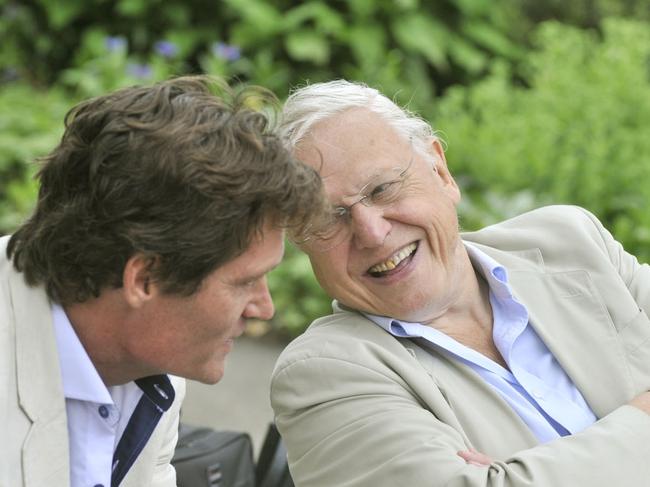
{"x":635,"y":275}
{"x":347,"y":424}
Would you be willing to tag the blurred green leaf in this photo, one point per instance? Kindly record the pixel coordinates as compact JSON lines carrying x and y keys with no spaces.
{"x":473,"y":8}
{"x":61,"y":12}
{"x":491,"y":39}
{"x":424,"y":35}
{"x":177,"y":12}
{"x":405,"y":4}
{"x":466,"y":55}
{"x":368,"y":43}
{"x":132,"y":8}
{"x":363,"y":9}
{"x":325,"y":19}
{"x":259,"y":20}
{"x":307,"y":45}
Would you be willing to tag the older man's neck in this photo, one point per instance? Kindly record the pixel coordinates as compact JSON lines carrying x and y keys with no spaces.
{"x":469,"y":320}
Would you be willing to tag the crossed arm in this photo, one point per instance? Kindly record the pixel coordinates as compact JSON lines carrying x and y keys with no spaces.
{"x":381,"y":435}
{"x":475,"y":457}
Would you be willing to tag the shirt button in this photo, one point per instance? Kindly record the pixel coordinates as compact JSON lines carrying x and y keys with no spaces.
{"x":103,"y":412}
{"x":99,"y":485}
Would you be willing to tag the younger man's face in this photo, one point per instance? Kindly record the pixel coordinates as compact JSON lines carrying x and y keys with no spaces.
{"x":190,"y":336}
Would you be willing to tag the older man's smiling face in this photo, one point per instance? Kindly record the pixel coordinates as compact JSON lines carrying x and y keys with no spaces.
{"x":403,"y":260}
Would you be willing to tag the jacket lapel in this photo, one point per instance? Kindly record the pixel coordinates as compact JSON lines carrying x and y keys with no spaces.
{"x":571,"y":319}
{"x":40,"y":391}
{"x":470,"y":405}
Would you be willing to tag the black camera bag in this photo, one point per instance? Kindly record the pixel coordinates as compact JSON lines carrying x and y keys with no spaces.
{"x":208,"y":458}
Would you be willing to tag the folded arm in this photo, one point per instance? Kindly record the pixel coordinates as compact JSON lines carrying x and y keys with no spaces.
{"x":364,"y":428}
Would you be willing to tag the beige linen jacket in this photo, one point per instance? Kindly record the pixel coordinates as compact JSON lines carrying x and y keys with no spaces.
{"x":359,"y":407}
{"x":33,"y":427}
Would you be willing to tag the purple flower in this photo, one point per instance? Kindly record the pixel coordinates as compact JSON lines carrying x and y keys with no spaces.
{"x":226,"y":51}
{"x":9,"y":74}
{"x":115,"y":44}
{"x":11,"y":12}
{"x":166,"y":49}
{"x":137,"y":70}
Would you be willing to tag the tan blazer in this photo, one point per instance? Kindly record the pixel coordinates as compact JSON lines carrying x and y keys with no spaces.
{"x":33,"y":427}
{"x":358,"y":407}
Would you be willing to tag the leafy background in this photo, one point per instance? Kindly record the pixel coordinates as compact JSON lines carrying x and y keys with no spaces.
{"x":538,"y":101}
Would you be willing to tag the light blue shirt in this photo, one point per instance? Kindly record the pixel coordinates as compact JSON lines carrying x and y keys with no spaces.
{"x":536,"y":386}
{"x":97,"y":415}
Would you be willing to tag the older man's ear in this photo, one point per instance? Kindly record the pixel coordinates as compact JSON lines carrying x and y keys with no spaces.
{"x":437,"y":152}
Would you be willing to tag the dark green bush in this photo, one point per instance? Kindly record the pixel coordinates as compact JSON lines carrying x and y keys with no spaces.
{"x":30,"y":126}
{"x":297,"y":296}
{"x":276,"y":43}
{"x":575,"y":133}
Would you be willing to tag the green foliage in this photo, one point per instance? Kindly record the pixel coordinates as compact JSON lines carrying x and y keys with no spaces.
{"x":104,"y":64}
{"x":584,"y":13}
{"x":575,"y":133}
{"x":45,"y":37}
{"x":30,"y":127}
{"x":279,"y":43}
{"x":385,"y":43}
{"x":296,"y":294}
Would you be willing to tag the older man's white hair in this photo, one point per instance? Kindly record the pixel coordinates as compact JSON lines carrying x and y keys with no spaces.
{"x":319,"y":101}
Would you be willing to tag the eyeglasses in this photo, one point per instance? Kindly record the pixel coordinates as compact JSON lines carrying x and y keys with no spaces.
{"x":381,"y":192}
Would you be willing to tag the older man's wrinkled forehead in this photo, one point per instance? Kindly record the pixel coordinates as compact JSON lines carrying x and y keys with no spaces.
{"x":351,"y":136}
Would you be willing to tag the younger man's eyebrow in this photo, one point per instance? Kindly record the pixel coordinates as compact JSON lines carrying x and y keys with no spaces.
{"x":259,"y":275}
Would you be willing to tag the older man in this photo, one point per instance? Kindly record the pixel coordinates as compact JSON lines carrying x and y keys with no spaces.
{"x":158,"y":216}
{"x":518,"y":355}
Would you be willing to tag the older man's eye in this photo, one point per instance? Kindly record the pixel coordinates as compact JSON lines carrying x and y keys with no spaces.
{"x":385,"y":191}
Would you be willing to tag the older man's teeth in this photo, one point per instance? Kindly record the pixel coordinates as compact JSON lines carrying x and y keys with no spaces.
{"x":393,"y":261}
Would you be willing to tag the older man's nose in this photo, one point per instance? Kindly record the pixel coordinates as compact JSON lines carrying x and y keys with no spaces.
{"x":369,"y":227}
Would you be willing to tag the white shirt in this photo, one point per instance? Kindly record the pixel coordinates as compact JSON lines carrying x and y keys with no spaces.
{"x":97,"y":415}
{"x":536,"y":386}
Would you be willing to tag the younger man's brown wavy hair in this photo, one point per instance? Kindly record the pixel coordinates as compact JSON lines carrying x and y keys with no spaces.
{"x":184,"y":172}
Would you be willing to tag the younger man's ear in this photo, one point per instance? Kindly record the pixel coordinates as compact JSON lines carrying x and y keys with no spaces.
{"x":138,"y":284}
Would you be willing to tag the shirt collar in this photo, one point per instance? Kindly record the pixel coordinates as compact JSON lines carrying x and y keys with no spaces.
{"x":493,"y":272}
{"x":80,"y":378}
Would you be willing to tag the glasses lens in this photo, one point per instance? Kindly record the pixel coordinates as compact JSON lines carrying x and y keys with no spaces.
{"x":328,"y":236}
{"x":337,"y":227}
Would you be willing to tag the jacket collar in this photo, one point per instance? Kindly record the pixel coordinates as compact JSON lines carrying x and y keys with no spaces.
{"x":571,"y":318}
{"x":40,"y":390}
